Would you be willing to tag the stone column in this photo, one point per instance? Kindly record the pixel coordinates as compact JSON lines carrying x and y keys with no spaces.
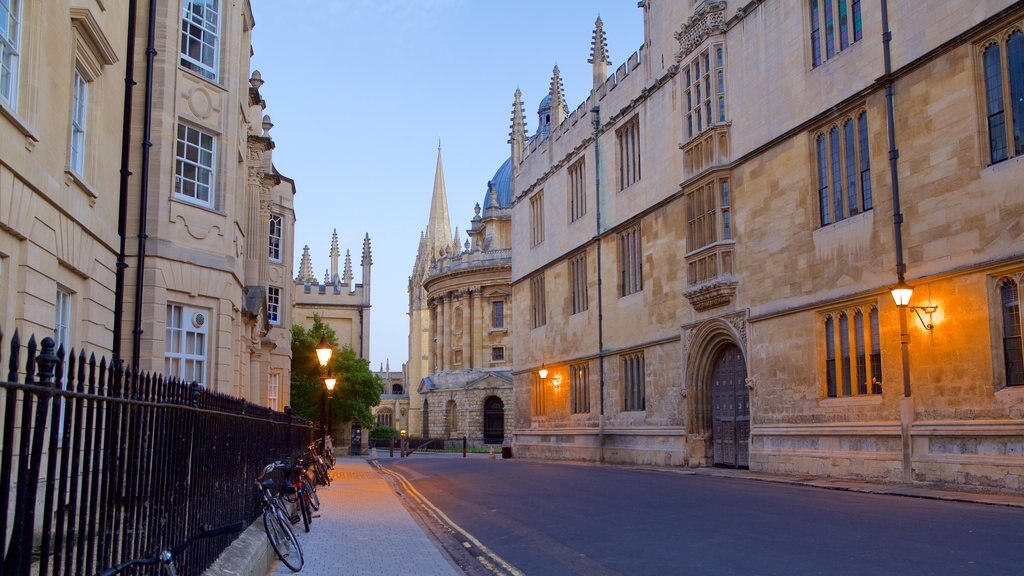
{"x":432,"y":335}
{"x":446,"y":360}
{"x":480,"y":324}
{"x":467,"y":329}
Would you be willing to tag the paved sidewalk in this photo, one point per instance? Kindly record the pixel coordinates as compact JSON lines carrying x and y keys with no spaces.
{"x":364,"y":529}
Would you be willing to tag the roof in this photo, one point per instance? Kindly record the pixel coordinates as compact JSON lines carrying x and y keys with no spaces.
{"x":502,"y":182}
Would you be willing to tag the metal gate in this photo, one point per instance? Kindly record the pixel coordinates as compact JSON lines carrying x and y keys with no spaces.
{"x":494,"y":420}
{"x":730,"y":410}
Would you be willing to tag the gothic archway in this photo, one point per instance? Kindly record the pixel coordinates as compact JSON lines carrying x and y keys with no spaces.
{"x":494,"y":420}
{"x":708,"y":345}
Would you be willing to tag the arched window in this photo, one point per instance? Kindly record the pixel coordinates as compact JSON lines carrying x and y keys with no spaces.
{"x":397,"y":389}
{"x":451,"y":419}
{"x":1013,"y":353}
{"x":385,"y":417}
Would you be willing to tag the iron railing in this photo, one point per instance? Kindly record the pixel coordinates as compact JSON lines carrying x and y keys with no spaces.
{"x":99,"y":464}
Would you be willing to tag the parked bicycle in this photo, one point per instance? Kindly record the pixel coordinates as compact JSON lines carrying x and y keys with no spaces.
{"x":168,"y":558}
{"x":276,"y":520}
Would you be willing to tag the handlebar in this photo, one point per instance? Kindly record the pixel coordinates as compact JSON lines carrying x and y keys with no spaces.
{"x":168,"y":556}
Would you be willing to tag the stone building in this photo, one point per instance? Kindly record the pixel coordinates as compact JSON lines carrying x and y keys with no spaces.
{"x":460,"y":353}
{"x":182,"y":280}
{"x":704,"y":248}
{"x":393,"y":410}
{"x":341,"y":303}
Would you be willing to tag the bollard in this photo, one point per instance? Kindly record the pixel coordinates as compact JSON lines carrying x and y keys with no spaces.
{"x":391,"y":447}
{"x":492,"y":452}
{"x":463,"y":446}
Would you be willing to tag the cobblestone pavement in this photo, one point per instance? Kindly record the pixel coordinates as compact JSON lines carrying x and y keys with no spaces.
{"x":364,"y":529}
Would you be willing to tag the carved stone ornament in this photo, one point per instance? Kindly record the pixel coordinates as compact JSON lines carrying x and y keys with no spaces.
{"x":711,"y":295}
{"x":707,"y":20}
{"x":739,"y":322}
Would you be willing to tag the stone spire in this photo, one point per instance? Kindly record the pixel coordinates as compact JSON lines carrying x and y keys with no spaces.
{"x":335,"y":253}
{"x":347,"y":279}
{"x":557,"y":99}
{"x":305,"y":267}
{"x":599,"y":54}
{"x":327,"y":276}
{"x":366,"y":262}
{"x":492,"y":197}
{"x":456,"y":242}
{"x":439,"y":228}
{"x":517,"y":138}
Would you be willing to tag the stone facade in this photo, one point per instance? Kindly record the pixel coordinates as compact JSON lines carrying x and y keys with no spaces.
{"x":393,"y":409}
{"x":739,"y":246}
{"x":202,"y":215}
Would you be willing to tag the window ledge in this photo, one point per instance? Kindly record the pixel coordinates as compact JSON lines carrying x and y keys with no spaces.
{"x":185,"y":202}
{"x":1014,"y":393}
{"x":846,"y":401}
{"x":22,"y":126}
{"x":496,"y":330}
{"x":81,"y":183}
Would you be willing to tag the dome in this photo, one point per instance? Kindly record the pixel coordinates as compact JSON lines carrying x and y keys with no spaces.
{"x":545,"y":104}
{"x":502,"y":182}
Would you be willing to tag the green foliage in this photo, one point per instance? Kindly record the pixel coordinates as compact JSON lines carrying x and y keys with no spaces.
{"x":357,"y":391}
{"x":385,"y":432}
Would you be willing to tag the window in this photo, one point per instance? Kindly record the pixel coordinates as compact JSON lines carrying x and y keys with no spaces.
{"x":1013,"y":353}
{"x":631,"y":277}
{"x":274,"y":305}
{"x":457,"y":324}
{"x":628,"y":152}
{"x":579,"y":388}
{"x":537,"y":218}
{"x":538,"y":305}
{"x":194,"y":166}
{"x":498,"y":314}
{"x":79,"y":102}
{"x":849,"y":369}
{"x":276,"y":237}
{"x":577,"y":191}
{"x":185,"y":343}
{"x":538,"y":395}
{"x":62,"y":337}
{"x":10,"y":28}
{"x":843,"y":169}
{"x":703,"y":206}
{"x":701,"y":97}
{"x":498,"y":354}
{"x":200,"y":28}
{"x":385,"y":417}
{"x":842,"y":24}
{"x":578,"y":282}
{"x":1005,"y":84}
{"x":273,"y":390}
{"x":633,"y":385}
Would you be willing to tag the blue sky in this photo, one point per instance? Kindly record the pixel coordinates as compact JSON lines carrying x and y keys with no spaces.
{"x":361,"y":91}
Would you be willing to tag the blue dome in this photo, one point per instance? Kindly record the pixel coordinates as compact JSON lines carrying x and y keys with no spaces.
{"x":502,"y":182}
{"x":545,"y":104}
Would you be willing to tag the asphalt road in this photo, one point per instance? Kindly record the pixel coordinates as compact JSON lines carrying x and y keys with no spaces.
{"x":553,"y":518}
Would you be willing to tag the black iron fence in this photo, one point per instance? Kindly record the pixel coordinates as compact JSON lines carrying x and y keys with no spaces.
{"x":100,"y":464}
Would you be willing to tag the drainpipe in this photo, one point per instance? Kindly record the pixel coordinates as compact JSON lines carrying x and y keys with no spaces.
{"x":907,"y":401}
{"x":596,"y":111}
{"x":147,"y":145}
{"x":122,"y":207}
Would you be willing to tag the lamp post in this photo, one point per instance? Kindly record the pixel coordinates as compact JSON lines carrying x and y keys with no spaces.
{"x":323,"y":355}
{"x":329,"y":383}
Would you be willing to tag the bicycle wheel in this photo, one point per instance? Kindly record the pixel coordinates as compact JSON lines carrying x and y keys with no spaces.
{"x":282,"y":539}
{"x":303,"y":503}
{"x":314,"y":500}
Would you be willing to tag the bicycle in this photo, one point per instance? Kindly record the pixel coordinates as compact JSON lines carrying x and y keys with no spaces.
{"x":168,"y":558}
{"x":300,"y":491}
{"x":276,"y":520}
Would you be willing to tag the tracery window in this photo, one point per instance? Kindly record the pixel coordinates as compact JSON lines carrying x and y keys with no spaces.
{"x":579,"y":388}
{"x":1004,"y":82}
{"x":578,"y":282}
{"x":1010,"y":312}
{"x":537,"y":218}
{"x":628,"y":153}
{"x":631,"y":276}
{"x":841,"y":22}
{"x":538,"y":301}
{"x":853,"y":357}
{"x":843,"y":168}
{"x":634,"y":393}
{"x":577,"y":190}
{"x":704,"y":86}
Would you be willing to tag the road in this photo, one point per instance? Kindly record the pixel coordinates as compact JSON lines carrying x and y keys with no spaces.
{"x":547,"y":518}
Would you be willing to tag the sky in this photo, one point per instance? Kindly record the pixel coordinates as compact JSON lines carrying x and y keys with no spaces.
{"x":362,"y":91}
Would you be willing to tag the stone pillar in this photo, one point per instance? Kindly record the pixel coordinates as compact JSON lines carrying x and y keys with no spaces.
{"x":467,"y":329}
{"x":446,"y":360}
{"x":431,"y":338}
{"x":479,"y":328}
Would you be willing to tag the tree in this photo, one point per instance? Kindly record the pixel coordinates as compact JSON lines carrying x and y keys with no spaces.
{"x":357,"y":391}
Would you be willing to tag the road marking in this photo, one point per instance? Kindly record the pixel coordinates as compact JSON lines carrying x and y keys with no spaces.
{"x":496,"y":564}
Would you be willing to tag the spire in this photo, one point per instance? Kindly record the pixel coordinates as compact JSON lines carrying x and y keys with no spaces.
{"x":348,"y":269}
{"x":327,"y":276}
{"x":334,"y":255}
{"x":599,"y":54}
{"x":366,"y":263}
{"x":456,"y":242}
{"x":492,"y":197}
{"x":557,"y":99}
{"x":517,"y":138}
{"x":439,"y":228}
{"x":305,"y":267}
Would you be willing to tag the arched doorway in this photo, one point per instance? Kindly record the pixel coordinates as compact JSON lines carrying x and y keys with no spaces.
{"x":730,"y":409}
{"x":494,"y":420}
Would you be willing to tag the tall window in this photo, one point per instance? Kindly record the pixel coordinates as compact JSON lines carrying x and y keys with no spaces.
{"x":578,"y":282}
{"x":200,"y":31}
{"x":628,"y":153}
{"x":498,"y":314}
{"x":1004,"y":82}
{"x":537,"y":398}
{"x":1013,"y":353}
{"x":633,"y":382}
{"x":631,"y":276}
{"x":704,"y":78}
{"x":185,"y":343}
{"x":841,"y":22}
{"x":194,"y":166}
{"x":10,"y":29}
{"x":577,"y":190}
{"x":579,"y":388}
{"x":537,"y":218}
{"x":538,"y":305}
{"x":276,"y":237}
{"x":849,"y":371}
{"x":843,"y":169}
{"x":79,"y":103}
{"x":274,"y":305}
{"x":498,"y":354}
{"x":273,"y":390}
{"x":703,"y":205}
{"x":385,"y":417}
{"x":62,"y":337}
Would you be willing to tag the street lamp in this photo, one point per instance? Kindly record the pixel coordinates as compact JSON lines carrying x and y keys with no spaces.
{"x":329,"y":383}
{"x":323,"y":355}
